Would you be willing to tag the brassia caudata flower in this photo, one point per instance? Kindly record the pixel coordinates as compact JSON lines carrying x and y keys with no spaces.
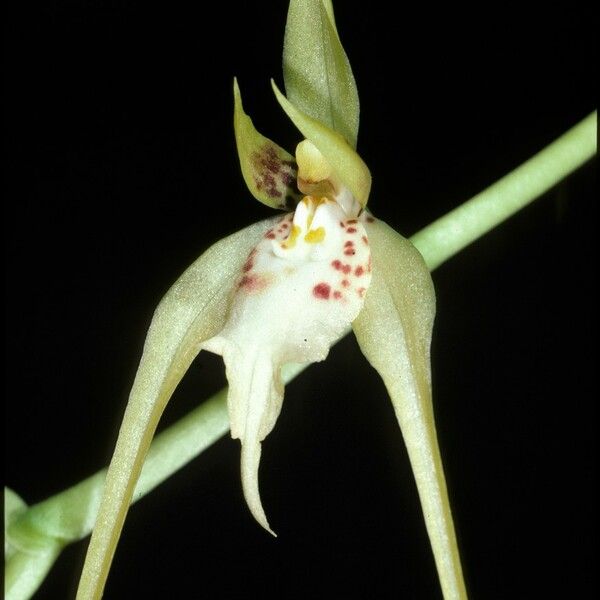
{"x":285,"y":289}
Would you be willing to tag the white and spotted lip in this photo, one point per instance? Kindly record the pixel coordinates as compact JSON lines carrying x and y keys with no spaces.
{"x":300,"y":288}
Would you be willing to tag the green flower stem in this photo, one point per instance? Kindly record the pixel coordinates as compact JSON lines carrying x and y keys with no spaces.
{"x":25,"y":571}
{"x":37,"y":534}
{"x":447,"y":236}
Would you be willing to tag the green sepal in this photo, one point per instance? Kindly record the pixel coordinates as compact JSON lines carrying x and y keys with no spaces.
{"x":268,"y":170}
{"x":193,"y":310}
{"x":394,"y":333}
{"x":316,"y":71}
{"x":347,"y":164}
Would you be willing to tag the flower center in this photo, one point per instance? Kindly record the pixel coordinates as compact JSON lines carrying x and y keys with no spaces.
{"x":317,"y":179}
{"x":315,"y":231}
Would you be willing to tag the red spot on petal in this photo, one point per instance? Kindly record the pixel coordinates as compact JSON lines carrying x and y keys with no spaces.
{"x":248,"y":265}
{"x":270,"y":235}
{"x":346,"y":269}
{"x":252,"y":283}
{"x":351,"y":229}
{"x":352,"y":221}
{"x":370,"y":220}
{"x":359,"y":271}
{"x":337,"y":295}
{"x":361,"y":291}
{"x":322,"y":291}
{"x":348,"y":244}
{"x":350,"y":252}
{"x":365,"y":240}
{"x":342,"y":224}
{"x":337,"y":264}
{"x":285,"y":225}
{"x":345,"y":283}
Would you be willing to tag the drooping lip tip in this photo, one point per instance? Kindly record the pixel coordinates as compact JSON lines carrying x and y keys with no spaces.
{"x":262,"y":521}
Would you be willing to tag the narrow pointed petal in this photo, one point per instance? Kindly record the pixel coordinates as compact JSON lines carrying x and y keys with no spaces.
{"x":257,"y":425}
{"x":394,"y":333}
{"x":300,"y":288}
{"x":316,"y":71}
{"x":193,"y":310}
{"x":268,"y":170}
{"x":347,"y":164}
{"x":250,"y":462}
{"x":254,"y":402}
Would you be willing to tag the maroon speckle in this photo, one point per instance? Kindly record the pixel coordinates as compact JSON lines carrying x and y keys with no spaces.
{"x":350,"y":252}
{"x":346,"y":269}
{"x":337,"y":264}
{"x":361,"y":291}
{"x":288,"y":179}
{"x":370,"y":220}
{"x":365,"y":240}
{"x":272,"y":190}
{"x":348,"y":244}
{"x":253,"y":283}
{"x":351,"y":230}
{"x":342,"y":224}
{"x":271,"y":173}
{"x":337,"y":295}
{"x":284,"y":225}
{"x":345,"y":283}
{"x":359,"y":271}
{"x":248,"y":265}
{"x":352,"y":221}
{"x":270,"y":235}
{"x":322,"y":291}
{"x":248,"y":281}
{"x":270,"y":160}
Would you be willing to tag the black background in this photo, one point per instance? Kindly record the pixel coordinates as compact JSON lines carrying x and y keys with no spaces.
{"x":122,"y":169}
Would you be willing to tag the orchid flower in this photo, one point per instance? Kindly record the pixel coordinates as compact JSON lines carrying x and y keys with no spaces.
{"x":284,"y":290}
